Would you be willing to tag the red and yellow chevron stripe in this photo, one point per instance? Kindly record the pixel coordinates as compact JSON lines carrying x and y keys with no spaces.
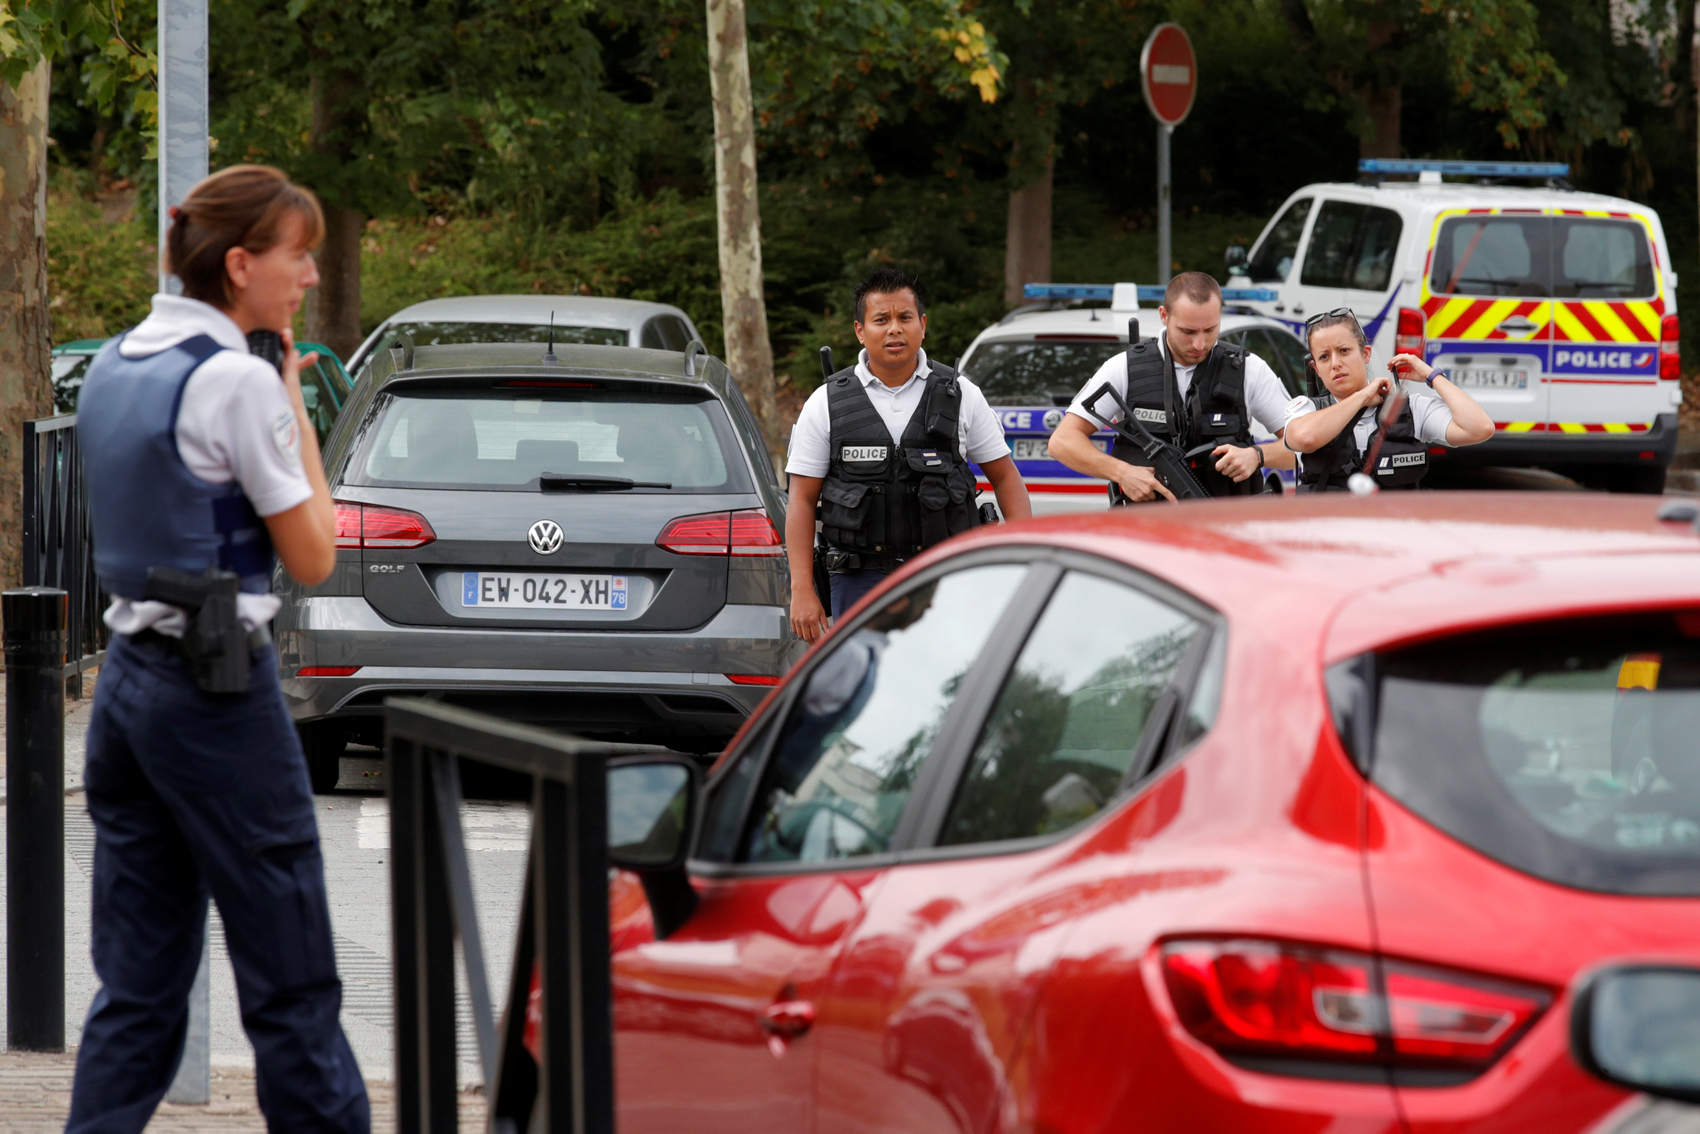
{"x":1605,"y":321}
{"x":1572,"y":426}
{"x":1471,"y":317}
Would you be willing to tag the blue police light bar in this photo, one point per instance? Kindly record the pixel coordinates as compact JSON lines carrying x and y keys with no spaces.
{"x":1147,"y":292}
{"x":1466,"y":168}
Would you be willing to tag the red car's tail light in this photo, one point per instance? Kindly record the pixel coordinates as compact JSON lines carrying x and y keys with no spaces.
{"x":754,"y":534}
{"x":1670,"y":348}
{"x":1277,"y":999}
{"x":378,"y":528}
{"x":1408,"y":336}
{"x":748,"y":532}
{"x":327,"y":671}
{"x":751,"y":679}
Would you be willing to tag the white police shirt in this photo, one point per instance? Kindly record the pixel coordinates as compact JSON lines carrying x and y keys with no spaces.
{"x":1429,"y":414}
{"x":235,"y":422}
{"x":1265,"y":398}
{"x":979,"y":433}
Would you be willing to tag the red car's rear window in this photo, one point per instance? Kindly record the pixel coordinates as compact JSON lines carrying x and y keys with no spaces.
{"x":1568,"y":750}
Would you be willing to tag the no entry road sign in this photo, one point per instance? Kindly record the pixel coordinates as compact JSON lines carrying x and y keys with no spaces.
{"x":1168,"y":71}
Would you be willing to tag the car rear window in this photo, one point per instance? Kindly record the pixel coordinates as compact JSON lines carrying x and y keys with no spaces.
{"x":1543,"y":256}
{"x":1037,"y":371}
{"x":498,"y":439}
{"x":1570,"y":751}
{"x":443,"y":334}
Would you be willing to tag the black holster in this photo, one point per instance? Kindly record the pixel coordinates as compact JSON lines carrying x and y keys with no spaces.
{"x":215,"y":643}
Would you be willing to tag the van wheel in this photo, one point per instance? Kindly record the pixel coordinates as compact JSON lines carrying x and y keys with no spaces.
{"x":1645,"y":480}
{"x":323,"y":743}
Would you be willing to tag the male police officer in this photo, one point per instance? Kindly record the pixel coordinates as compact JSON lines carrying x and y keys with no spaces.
{"x":1189,"y":390}
{"x":881,"y":451}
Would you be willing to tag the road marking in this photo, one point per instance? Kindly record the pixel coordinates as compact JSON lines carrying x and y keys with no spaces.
{"x":487,"y":826}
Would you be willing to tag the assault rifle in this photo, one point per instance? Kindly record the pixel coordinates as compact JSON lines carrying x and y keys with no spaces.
{"x":1167,"y":461}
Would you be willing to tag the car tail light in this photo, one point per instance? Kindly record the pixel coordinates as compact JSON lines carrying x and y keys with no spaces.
{"x":378,"y":528}
{"x":751,"y":679}
{"x":749,"y":532}
{"x":327,"y":671}
{"x":1408,"y":337}
{"x":1670,"y":348}
{"x":1315,"y":1004}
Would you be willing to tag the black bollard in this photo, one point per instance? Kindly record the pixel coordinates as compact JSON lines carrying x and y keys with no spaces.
{"x":34,"y":632}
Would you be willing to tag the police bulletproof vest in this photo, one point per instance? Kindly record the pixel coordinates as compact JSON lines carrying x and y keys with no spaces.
{"x":145,"y":506}
{"x":887,"y":502}
{"x":1401,"y":462}
{"x":1212,"y":413}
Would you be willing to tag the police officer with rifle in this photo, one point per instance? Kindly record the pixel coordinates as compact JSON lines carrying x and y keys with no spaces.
{"x":880,"y":456}
{"x":201,"y":462}
{"x":1184,"y":401}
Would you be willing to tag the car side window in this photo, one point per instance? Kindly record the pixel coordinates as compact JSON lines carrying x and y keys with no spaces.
{"x":845,"y":763}
{"x":1283,"y":354}
{"x":1274,"y":257}
{"x":1329,"y":255}
{"x":674,"y":332}
{"x":652,"y":338}
{"x":1371,"y":265}
{"x":1060,"y":741}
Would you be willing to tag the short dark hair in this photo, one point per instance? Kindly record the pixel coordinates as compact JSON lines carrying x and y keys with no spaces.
{"x":243,"y":205}
{"x":887,"y":281}
{"x":1200,"y":287}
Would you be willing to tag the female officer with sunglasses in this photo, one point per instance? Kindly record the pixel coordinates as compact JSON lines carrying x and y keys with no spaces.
{"x":1334,"y":433}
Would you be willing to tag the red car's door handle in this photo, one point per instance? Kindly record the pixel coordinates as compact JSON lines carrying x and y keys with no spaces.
{"x":787,"y":1018}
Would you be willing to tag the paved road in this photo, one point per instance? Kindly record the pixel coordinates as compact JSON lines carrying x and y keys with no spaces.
{"x":354,"y":830}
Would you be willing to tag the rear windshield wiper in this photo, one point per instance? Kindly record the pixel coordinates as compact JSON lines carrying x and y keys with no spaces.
{"x":577,"y":482}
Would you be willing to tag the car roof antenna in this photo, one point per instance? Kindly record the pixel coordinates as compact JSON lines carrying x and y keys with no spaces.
{"x":549,"y":358}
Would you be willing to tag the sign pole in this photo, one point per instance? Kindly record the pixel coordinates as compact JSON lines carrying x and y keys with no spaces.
{"x":1168,"y":75}
{"x":1165,"y":217}
{"x":184,"y":124}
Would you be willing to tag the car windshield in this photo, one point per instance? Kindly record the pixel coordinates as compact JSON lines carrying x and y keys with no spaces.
{"x":1037,"y":372}
{"x":1569,"y":751}
{"x":444,"y":333}
{"x":497,"y":439}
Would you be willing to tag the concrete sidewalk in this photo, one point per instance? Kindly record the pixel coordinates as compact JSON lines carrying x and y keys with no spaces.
{"x":354,"y":833}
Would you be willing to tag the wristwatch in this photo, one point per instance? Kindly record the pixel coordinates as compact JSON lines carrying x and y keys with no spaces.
{"x":1432,"y":375}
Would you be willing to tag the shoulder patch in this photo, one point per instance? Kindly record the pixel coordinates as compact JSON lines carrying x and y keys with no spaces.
{"x":286,"y":436}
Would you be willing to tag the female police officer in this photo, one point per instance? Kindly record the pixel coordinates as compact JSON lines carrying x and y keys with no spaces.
{"x":198,"y":457}
{"x":1335,"y":431}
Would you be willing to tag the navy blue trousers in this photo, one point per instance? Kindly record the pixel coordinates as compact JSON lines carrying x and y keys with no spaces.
{"x":194,"y":795}
{"x":848,"y":587}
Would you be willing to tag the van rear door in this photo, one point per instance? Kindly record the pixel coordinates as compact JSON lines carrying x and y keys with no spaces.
{"x":1608,"y":301}
{"x":1487,"y":298}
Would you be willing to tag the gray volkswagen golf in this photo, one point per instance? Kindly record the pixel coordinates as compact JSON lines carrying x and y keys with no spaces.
{"x":586,"y":539}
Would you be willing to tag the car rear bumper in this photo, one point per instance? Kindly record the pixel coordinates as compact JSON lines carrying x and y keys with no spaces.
{"x":1554,"y":447}
{"x":650,"y":685}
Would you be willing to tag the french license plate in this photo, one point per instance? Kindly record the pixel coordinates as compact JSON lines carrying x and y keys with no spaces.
{"x":543,"y":592}
{"x":1037,"y":448}
{"x":1490,"y":378}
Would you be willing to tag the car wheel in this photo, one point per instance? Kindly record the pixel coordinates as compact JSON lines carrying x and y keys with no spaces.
{"x":323,"y":743}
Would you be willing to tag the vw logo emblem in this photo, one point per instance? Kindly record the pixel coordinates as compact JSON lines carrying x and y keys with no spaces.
{"x":1053,"y":418}
{"x":545,"y":537}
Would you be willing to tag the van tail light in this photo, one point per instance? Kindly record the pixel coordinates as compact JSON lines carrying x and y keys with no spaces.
{"x":1279,"y":1000}
{"x":374,"y":527}
{"x":1670,"y":348}
{"x":748,"y":532}
{"x":1408,"y":336}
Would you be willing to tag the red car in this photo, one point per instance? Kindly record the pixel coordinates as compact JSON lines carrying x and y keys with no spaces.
{"x":1295,"y":816}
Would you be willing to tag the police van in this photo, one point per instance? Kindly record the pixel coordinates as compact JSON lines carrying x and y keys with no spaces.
{"x":1555,"y":309}
{"x":1032,"y":362}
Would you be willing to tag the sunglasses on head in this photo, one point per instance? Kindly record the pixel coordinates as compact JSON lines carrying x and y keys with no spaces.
{"x":1337,"y":313}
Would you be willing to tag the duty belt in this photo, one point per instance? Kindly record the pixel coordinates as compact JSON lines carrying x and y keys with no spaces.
{"x":838,"y":561}
{"x":257,"y":637}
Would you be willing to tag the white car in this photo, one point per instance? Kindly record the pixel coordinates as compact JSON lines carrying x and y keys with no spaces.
{"x":1556,"y":310}
{"x":1033,"y":361}
{"x":526,"y":318}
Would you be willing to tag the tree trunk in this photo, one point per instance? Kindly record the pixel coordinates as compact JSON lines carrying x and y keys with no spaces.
{"x":333,"y":308}
{"x":1027,"y":242}
{"x":1384,"y":106}
{"x":26,"y":388}
{"x":743,"y":305}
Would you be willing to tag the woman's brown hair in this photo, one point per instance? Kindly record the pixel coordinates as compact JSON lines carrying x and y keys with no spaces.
{"x":244,"y":206}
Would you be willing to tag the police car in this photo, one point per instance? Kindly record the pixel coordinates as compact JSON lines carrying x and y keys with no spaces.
{"x":1033,"y":361}
{"x":1555,"y":309}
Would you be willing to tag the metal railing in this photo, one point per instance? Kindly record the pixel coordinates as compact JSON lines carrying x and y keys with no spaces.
{"x":58,"y":545}
{"x":563,"y":1080}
